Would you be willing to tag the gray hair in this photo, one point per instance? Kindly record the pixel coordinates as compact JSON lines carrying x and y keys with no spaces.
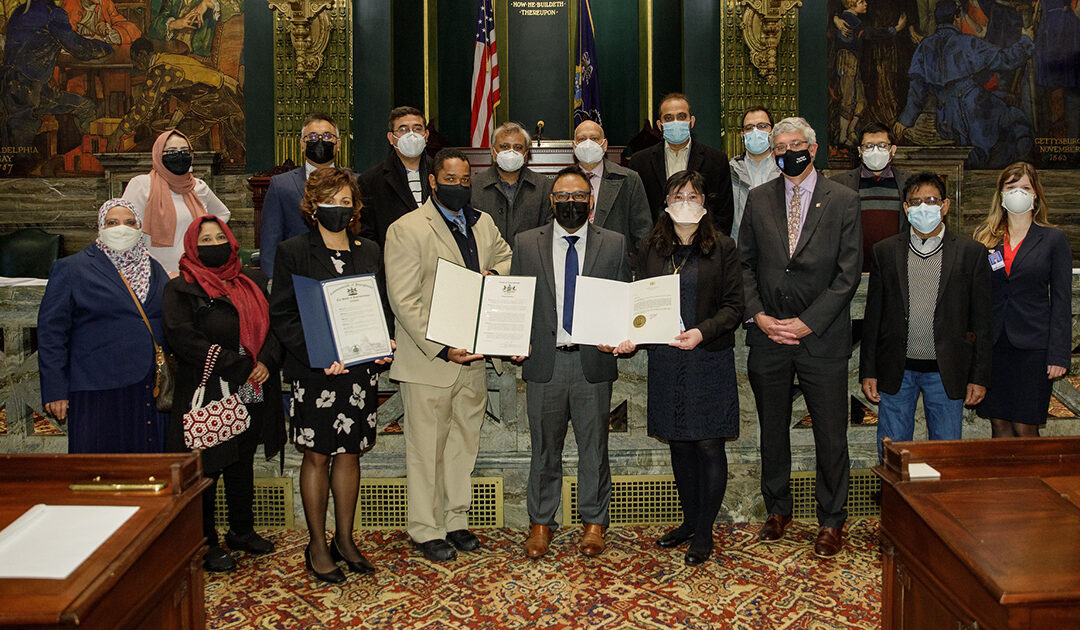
{"x":511,"y":127}
{"x":793,"y":124}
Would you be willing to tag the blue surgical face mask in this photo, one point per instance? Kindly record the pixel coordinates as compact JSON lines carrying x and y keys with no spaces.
{"x":924,"y":217}
{"x":677,"y":131}
{"x":757,"y":141}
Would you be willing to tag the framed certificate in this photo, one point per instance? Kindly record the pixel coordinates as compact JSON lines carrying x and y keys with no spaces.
{"x":609,"y":312}
{"x":343,"y":320}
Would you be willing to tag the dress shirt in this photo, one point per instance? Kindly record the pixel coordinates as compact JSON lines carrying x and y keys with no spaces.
{"x":760,"y":172}
{"x":309,"y":168}
{"x":675,"y":162}
{"x":595,"y":177}
{"x":928,"y":245}
{"x":559,"y":248}
{"x":806,"y":190}
{"x":509,"y":190}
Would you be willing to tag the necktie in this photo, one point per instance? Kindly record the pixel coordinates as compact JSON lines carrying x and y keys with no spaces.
{"x":596,"y":195}
{"x":794,"y":218}
{"x":569,"y":284}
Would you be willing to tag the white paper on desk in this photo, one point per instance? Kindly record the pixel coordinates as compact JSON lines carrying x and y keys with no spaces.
{"x":51,"y":541}
{"x":609,"y":312}
{"x":454,"y":300}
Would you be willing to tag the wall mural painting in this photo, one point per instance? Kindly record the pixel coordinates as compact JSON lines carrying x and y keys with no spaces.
{"x":80,"y":77}
{"x":973,"y":81}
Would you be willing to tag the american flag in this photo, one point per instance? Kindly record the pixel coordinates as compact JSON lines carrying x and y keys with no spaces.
{"x":485,"y":77}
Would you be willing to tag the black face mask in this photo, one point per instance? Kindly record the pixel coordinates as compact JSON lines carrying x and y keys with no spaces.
{"x":215,"y":255}
{"x":319,"y":152}
{"x":177,"y":163}
{"x":334,"y":218}
{"x":793,"y":163}
{"x":453,"y":196}
{"x":571,"y":214}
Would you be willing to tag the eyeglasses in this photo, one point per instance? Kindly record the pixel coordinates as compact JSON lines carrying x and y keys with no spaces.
{"x":764,"y":126}
{"x":401,"y":130}
{"x":577,"y":195}
{"x":876,"y":145}
{"x":453,"y":179}
{"x":687,"y":196}
{"x":932,"y":201}
{"x":315,"y":137}
{"x":797,"y":145}
{"x":183,"y":152}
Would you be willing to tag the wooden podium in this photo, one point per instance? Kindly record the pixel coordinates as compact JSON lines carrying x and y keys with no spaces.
{"x":148,"y":575}
{"x":994,"y":544}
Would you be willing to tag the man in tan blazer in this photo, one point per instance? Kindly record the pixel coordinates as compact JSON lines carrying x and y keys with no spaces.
{"x":444,"y":390}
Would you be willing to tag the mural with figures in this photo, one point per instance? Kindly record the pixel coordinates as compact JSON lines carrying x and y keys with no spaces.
{"x":81,"y":77}
{"x":1001,"y":76}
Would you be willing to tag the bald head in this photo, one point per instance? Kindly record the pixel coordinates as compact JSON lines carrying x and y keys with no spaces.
{"x":589,"y":130}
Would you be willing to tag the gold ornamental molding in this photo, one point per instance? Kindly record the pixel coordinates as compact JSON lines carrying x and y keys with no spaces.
{"x":309,"y":30}
{"x":762,"y":24}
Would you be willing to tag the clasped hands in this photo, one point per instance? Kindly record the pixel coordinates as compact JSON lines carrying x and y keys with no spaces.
{"x":782,"y":331}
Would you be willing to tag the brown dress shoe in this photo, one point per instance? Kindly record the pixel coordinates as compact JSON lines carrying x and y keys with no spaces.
{"x":828,"y":543}
{"x":592,"y":541}
{"x":773,"y":529}
{"x":538,"y":541}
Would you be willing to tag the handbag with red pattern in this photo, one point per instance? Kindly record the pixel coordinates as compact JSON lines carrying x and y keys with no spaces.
{"x":219,"y":420}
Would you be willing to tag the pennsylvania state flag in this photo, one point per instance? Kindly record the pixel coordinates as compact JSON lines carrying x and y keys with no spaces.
{"x":586,"y":78}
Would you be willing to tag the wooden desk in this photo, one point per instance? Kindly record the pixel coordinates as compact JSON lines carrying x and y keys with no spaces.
{"x":146,"y":575}
{"x":994,"y":544}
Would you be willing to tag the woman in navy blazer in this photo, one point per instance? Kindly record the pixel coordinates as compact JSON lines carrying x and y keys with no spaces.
{"x":1031,"y":271}
{"x":95,"y":354}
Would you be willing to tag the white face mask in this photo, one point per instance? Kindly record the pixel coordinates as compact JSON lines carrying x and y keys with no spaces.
{"x":120,"y":237}
{"x":686,"y":212}
{"x":589,"y":152}
{"x":876,"y":159}
{"x":509,"y":160}
{"x":411,"y":144}
{"x":1017,"y":201}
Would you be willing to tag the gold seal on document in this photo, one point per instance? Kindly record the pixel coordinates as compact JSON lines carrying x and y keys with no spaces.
{"x":639,"y":321}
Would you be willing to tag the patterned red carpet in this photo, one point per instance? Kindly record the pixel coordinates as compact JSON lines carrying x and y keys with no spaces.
{"x":632,"y":585}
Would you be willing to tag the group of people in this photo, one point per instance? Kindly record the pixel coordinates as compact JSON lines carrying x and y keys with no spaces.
{"x":762,"y":241}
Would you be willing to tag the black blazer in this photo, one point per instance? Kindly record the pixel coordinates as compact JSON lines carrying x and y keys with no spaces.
{"x":817,"y":284}
{"x":711,"y":163}
{"x":719,"y":308}
{"x":384,"y":190}
{"x":306,"y":255}
{"x":1033,"y":304}
{"x":961,"y":319}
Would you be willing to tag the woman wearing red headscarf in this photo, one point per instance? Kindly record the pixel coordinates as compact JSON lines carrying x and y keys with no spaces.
{"x":170,"y":198}
{"x":216,"y":302}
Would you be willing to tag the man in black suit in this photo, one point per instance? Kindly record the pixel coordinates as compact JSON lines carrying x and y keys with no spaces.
{"x":281,"y":218}
{"x":928,"y":321}
{"x":680,"y":152}
{"x":513,"y":194}
{"x":397,"y":185}
{"x":801,"y":249}
{"x":567,"y":382}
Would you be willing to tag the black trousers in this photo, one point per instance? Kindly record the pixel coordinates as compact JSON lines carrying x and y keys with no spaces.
{"x":239,"y":495}
{"x":823,"y":380}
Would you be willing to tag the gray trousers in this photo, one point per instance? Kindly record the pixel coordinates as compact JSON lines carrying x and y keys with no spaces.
{"x":568,"y":397}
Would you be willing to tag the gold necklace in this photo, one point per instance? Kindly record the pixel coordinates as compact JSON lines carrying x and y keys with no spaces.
{"x":680,"y":265}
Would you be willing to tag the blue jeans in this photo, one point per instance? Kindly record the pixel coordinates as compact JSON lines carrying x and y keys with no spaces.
{"x":896,"y":412}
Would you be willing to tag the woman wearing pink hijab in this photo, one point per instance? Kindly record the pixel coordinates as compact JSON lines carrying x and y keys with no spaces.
{"x":170,"y":198}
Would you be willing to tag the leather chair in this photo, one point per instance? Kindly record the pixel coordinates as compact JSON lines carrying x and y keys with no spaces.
{"x":29,"y":253}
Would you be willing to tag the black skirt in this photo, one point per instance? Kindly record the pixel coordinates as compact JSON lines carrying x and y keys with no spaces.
{"x":1019,"y":389}
{"x":335,"y":414}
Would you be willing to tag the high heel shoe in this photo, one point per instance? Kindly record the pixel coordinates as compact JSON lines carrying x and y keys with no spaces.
{"x":361,"y":566}
{"x":332,"y":577}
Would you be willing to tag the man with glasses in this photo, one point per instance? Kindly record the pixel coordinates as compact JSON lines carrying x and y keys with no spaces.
{"x":566,"y":382}
{"x":281,"y":217}
{"x":754,"y":167}
{"x":878,"y":183}
{"x":397,"y":185}
{"x":513,"y":194}
{"x":680,"y":152}
{"x":801,"y":250}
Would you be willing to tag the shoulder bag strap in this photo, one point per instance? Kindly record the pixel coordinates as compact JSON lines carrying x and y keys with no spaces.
{"x":138,"y":305}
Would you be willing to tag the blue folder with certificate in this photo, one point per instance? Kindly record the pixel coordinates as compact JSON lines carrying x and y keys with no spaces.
{"x":343,"y":320}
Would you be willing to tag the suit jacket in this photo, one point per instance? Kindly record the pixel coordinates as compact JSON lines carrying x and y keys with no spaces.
{"x":414,"y":245}
{"x":1033,"y":303}
{"x":90,"y":334}
{"x":711,"y":163}
{"x":306,"y":255}
{"x":532,"y":207}
{"x":817,"y":283}
{"x":851,"y":177}
{"x":961,"y":318}
{"x":622,"y":205}
{"x":606,"y":256}
{"x":384,"y":189}
{"x":719,"y":309}
{"x":281,"y":217}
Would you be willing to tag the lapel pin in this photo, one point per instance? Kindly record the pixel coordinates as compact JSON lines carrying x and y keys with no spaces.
{"x":356,"y":242}
{"x":817,"y":205}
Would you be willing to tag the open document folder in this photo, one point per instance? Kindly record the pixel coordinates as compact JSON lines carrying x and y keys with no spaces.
{"x":609,"y":312}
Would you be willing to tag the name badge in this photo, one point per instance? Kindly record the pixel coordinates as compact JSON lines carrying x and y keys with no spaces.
{"x":996,"y":261}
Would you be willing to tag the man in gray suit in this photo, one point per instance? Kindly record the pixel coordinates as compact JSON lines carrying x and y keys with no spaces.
{"x":567,"y":381}
{"x":619,"y":200}
{"x":801,"y":248}
{"x":513,"y":194}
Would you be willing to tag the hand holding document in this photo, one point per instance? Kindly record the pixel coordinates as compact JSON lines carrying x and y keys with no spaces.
{"x":607,"y":312}
{"x":343,"y":320}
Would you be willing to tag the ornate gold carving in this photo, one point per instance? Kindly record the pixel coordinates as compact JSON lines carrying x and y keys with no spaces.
{"x":762,"y":25}
{"x":309,"y":30}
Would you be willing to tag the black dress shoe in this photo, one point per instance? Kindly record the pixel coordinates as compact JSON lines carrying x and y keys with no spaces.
{"x":437,"y":550}
{"x":674,"y":538}
{"x":248,"y":541}
{"x":695,"y":557}
{"x":361,"y":566}
{"x":331,"y":577}
{"x":218,"y":560}
{"x":463,"y":540}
